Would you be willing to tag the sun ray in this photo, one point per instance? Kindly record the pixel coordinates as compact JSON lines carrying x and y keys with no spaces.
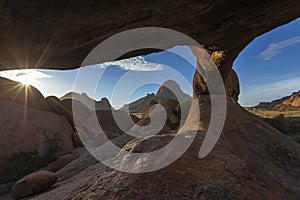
{"x":44,"y":52}
{"x":16,"y":58}
{"x":25,"y":102}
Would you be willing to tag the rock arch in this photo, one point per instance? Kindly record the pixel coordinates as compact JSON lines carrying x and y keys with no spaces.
{"x":59,"y":34}
{"x":262,"y":163}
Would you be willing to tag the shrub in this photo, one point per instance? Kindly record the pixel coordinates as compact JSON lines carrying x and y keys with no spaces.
{"x":20,"y":164}
{"x":54,"y":144}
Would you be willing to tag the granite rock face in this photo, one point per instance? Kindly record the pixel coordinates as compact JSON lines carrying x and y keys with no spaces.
{"x":251,"y":160}
{"x":30,"y":139}
{"x":22,"y":94}
{"x":65,"y":32}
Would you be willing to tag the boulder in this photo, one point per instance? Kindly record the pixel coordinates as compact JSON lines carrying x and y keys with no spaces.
{"x":65,"y":108}
{"x":33,"y":183}
{"x":149,"y":130}
{"x":22,"y":94}
{"x":57,"y":107}
{"x":104,"y":124}
{"x":171,"y":108}
{"x":61,"y":162}
{"x":30,"y":139}
{"x":77,"y":109}
{"x":107,"y":120}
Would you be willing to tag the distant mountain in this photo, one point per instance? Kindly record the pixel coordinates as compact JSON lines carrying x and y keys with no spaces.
{"x":286,"y":103}
{"x":92,"y":104}
{"x":169,"y":90}
{"x":139,"y":105}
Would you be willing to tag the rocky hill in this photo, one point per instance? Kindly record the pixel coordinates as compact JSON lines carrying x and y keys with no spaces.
{"x":291,"y":102}
{"x":92,"y":104}
{"x":171,"y":90}
{"x":166,"y":91}
{"x":139,"y":105}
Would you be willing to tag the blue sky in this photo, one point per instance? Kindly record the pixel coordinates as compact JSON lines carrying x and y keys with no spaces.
{"x":268,"y":68}
{"x":146,"y":72}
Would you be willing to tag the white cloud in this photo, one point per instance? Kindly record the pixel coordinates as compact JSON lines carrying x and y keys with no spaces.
{"x":134,"y":64}
{"x":26,"y":76}
{"x":269,"y":91}
{"x":276,"y":48}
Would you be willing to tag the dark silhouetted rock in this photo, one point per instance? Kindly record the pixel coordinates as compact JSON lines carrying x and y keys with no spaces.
{"x":222,"y":26}
{"x":232,"y":86}
{"x":22,"y":94}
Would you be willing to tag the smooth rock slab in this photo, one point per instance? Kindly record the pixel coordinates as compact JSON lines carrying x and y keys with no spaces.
{"x":33,"y":184}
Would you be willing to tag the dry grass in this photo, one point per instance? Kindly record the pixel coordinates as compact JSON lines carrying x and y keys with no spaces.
{"x":273,"y":113}
{"x":288,"y":124}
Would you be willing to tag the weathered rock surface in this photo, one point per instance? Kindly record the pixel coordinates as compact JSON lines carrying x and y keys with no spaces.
{"x":169,"y":105}
{"x":77,"y":110}
{"x":25,"y":95}
{"x":232,"y":86}
{"x":84,"y":161}
{"x":55,"y":104}
{"x":251,"y":160}
{"x":108,"y":123}
{"x":61,"y":162}
{"x":293,"y":101}
{"x":30,"y":137}
{"x":65,"y":108}
{"x":58,"y":108}
{"x":64,"y":33}
{"x":112,"y":122}
{"x":33,"y":183}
